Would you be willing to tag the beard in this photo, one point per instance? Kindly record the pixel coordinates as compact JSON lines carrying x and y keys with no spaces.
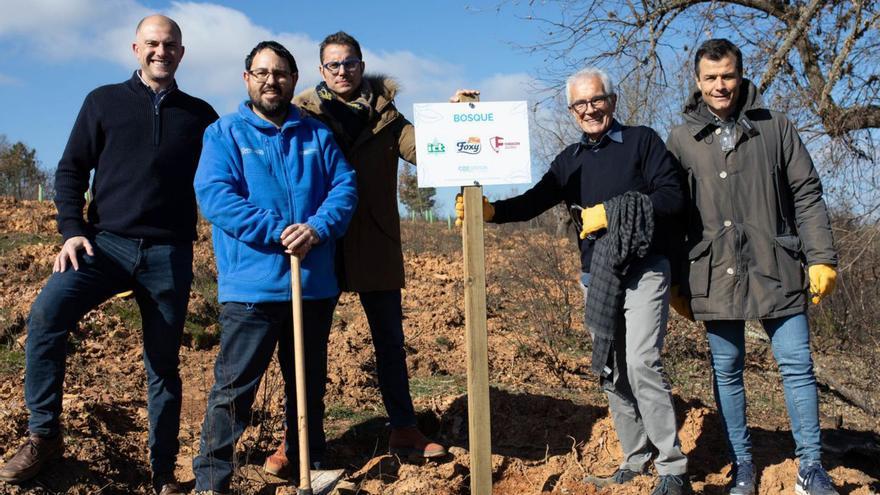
{"x":278,"y":108}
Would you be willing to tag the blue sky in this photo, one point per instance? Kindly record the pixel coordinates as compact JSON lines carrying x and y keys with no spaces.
{"x":53,"y":52}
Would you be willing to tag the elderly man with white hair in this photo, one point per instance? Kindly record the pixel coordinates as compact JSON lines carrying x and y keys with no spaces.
{"x":624,"y":187}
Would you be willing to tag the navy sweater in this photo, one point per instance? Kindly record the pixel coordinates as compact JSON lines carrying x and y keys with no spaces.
{"x":588,"y":175}
{"x":144,"y":157}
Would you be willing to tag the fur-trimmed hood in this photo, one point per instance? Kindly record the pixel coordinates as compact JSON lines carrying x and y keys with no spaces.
{"x":384,"y":89}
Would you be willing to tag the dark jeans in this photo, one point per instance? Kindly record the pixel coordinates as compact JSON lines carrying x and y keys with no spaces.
{"x":249,"y":334}
{"x":160,"y":275}
{"x":385,"y":316}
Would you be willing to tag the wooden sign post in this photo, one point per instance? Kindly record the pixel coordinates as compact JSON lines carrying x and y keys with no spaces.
{"x":474,"y":145}
{"x":477,"y":341}
{"x":479,"y":429}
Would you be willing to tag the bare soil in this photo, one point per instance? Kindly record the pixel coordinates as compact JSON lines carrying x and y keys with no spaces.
{"x":550,"y":425}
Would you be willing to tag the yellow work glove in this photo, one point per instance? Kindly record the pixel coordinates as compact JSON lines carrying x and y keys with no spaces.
{"x":822,"y":281}
{"x":488,"y":210}
{"x":594,"y":219}
{"x":680,"y":303}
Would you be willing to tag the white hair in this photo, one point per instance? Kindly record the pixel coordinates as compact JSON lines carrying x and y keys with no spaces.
{"x":607,"y":83}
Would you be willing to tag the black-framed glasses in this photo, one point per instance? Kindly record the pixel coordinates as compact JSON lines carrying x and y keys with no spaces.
{"x":598,"y":102}
{"x":262,"y":75}
{"x":350,"y":64}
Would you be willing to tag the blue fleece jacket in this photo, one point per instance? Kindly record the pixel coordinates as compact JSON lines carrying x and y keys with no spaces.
{"x":254,"y":180}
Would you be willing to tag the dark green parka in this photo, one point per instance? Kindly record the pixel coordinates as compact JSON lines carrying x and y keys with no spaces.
{"x":756,"y":217}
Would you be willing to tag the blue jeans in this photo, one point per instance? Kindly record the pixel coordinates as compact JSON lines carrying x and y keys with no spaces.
{"x":790,"y":340}
{"x":385,"y":316}
{"x":249,"y":334}
{"x":160,"y":275}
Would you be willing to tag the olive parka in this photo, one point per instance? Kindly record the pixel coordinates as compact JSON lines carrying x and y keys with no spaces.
{"x":370,"y":257}
{"x":755,"y":214}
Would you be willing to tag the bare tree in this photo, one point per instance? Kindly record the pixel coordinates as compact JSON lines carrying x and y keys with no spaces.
{"x":822,"y":52}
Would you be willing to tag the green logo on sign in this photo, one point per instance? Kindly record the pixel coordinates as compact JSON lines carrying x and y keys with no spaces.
{"x":436,"y":147}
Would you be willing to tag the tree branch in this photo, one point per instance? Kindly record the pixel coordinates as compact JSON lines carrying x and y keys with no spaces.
{"x":794,"y":33}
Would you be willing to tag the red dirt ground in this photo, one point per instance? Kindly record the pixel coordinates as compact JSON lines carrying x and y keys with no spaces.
{"x":550,"y":425}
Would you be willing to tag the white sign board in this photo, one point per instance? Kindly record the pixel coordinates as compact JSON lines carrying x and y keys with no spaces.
{"x":464,"y":144}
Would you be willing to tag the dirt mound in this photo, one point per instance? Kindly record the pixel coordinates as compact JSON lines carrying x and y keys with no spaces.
{"x":550,"y":426}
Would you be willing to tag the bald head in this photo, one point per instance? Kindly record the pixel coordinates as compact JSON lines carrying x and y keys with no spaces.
{"x":158,"y":48}
{"x":162,"y":20}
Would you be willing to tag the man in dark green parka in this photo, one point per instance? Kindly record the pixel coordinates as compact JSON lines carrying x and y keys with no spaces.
{"x":756,"y":220}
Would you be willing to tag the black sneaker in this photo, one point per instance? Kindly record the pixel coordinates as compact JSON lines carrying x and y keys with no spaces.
{"x":619,"y":477}
{"x":743,"y":478}
{"x":672,"y":484}
{"x":813,"y":480}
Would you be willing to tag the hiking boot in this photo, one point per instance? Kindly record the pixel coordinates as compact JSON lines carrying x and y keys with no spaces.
{"x":31,"y":456}
{"x":619,"y":477}
{"x":813,"y":480}
{"x":166,"y":484}
{"x":672,"y":484}
{"x":743,"y":482}
{"x":277,"y":464}
{"x":410,"y":442}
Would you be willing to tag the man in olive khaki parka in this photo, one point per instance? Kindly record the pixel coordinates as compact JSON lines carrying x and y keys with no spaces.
{"x":755,"y":220}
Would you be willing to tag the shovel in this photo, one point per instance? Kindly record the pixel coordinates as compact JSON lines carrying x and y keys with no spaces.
{"x":323,"y":481}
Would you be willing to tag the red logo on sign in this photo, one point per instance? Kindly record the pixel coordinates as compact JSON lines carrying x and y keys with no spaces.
{"x":497,"y":143}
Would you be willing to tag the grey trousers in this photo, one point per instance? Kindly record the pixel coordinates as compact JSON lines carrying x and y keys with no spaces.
{"x":639,"y":396}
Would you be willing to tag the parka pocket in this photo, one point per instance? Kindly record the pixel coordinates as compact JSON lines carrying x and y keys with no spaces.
{"x":699,"y":268}
{"x":789,"y":262}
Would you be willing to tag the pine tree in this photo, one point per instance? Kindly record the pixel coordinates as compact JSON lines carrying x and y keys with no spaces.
{"x":20,"y":173}
{"x":415,"y":199}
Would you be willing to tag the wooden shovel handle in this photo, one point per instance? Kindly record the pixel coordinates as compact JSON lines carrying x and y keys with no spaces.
{"x":305,"y":479}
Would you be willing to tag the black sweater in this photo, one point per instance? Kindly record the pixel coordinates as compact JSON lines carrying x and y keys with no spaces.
{"x":144,"y":158}
{"x":586,"y":176}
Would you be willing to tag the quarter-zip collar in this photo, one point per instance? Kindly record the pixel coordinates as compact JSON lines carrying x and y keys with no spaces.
{"x":137,"y":83}
{"x":157,"y":96}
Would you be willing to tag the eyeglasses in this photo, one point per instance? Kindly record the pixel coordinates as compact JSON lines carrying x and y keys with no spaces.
{"x":598,"y":103}
{"x":262,"y":75}
{"x":350,"y":64}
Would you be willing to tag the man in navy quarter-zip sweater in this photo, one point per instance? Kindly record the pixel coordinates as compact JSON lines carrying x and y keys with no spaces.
{"x":142,"y":139}
{"x":632,"y":198}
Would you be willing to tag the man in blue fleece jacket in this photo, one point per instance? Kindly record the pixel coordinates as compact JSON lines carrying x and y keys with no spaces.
{"x":272,"y":183}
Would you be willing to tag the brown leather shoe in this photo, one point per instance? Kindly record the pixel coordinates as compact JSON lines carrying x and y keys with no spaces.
{"x":410,"y":442}
{"x":277,"y":464}
{"x":166,"y":484}
{"x":31,"y":456}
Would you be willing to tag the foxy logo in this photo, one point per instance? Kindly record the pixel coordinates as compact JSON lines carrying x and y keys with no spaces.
{"x":471,"y":146}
